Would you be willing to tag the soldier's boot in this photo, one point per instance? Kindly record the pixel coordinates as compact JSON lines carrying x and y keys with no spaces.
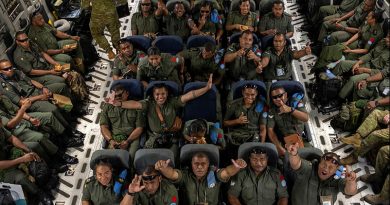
{"x":351,"y":159}
{"x":370,"y":178}
{"x":111,"y":54}
{"x":376,"y":199}
{"x":354,"y":140}
{"x":80,"y":65}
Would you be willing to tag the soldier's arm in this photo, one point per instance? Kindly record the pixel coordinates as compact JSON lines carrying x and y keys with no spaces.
{"x":105,"y":130}
{"x":131,"y":104}
{"x":163,"y":167}
{"x":283,"y":201}
{"x":233,"y":200}
{"x":19,"y":144}
{"x":199,"y":92}
{"x":12,"y":123}
{"x":37,"y":84}
{"x":85,"y":202}
{"x":300,"y":53}
{"x":274,"y":139}
{"x":263,"y":133}
{"x":49,"y":59}
{"x":347,"y":15}
{"x":232,"y":169}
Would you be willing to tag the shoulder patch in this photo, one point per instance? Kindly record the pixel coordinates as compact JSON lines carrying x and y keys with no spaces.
{"x":282,"y":181}
{"x":173,"y":200}
{"x":371,"y":41}
{"x":301,"y":104}
{"x":265,"y":114}
{"x":175,"y":59}
{"x":270,"y":116}
{"x":232,"y":183}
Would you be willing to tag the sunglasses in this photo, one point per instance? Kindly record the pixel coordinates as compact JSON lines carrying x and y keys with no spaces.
{"x":258,"y":151}
{"x":146,"y":4}
{"x":331,"y":159}
{"x":23,"y":40}
{"x":204,"y":12}
{"x":278,"y":96}
{"x":253,"y":86}
{"x":7,"y":68}
{"x":149,"y":178}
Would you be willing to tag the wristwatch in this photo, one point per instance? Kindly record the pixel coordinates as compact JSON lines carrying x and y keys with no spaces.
{"x":129,"y":193}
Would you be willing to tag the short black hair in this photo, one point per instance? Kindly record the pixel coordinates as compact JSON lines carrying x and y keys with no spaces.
{"x":154,"y":51}
{"x":209,"y":47}
{"x":207,"y":3}
{"x":276,"y":88}
{"x":246,"y":32}
{"x":198,"y":125}
{"x":278,"y":2}
{"x":18,"y":33}
{"x":241,"y":1}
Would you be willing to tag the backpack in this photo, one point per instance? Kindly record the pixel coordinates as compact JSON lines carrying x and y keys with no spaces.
{"x":77,"y":85}
{"x":326,"y":89}
{"x":6,"y":197}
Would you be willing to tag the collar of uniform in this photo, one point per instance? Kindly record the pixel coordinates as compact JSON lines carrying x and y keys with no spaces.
{"x":252,"y":174}
{"x":111,"y":184}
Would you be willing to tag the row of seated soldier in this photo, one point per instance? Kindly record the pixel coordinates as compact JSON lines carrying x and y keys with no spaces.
{"x":41,"y":81}
{"x":260,"y":103}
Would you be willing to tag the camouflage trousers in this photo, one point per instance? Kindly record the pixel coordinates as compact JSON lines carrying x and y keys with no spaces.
{"x":382,"y":160}
{"x":372,"y":136}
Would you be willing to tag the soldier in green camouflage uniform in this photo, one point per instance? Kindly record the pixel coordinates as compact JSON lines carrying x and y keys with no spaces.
{"x":276,"y":63}
{"x":18,"y":87}
{"x":122,"y":127}
{"x":367,"y":65}
{"x":382,"y":160}
{"x":284,"y":117}
{"x":46,"y":37}
{"x":195,"y":184}
{"x":9,"y":171}
{"x":205,"y":26}
{"x":201,"y":63}
{"x":274,"y":22}
{"x":162,"y":113}
{"x":46,"y":121}
{"x":126,"y":62}
{"x":39,"y":65}
{"x":146,"y":20}
{"x":334,"y":10}
{"x":246,"y":122}
{"x":368,"y":136}
{"x":103,"y":15}
{"x":159,"y":66}
{"x":259,"y":183}
{"x":244,"y":19}
{"x":157,"y":191}
{"x":177,"y":22}
{"x":346,"y":25}
{"x":99,"y":189}
{"x":242,"y":58}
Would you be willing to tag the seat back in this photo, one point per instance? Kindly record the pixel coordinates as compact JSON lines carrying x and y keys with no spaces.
{"x":10,"y":52}
{"x":199,"y":41}
{"x":245,"y":149}
{"x":204,"y":107}
{"x":133,"y":86}
{"x":169,"y":44}
{"x":173,"y":88}
{"x":140,"y":42}
{"x":235,"y":5}
{"x":238,"y":86}
{"x":148,"y":157}
{"x":118,"y":158}
{"x":189,"y":150}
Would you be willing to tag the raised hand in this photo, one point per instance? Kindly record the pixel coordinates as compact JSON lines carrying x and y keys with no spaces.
{"x":161,"y":164}
{"x":239,"y":163}
{"x":242,"y":119}
{"x":350,"y":175}
{"x":135,"y":185}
